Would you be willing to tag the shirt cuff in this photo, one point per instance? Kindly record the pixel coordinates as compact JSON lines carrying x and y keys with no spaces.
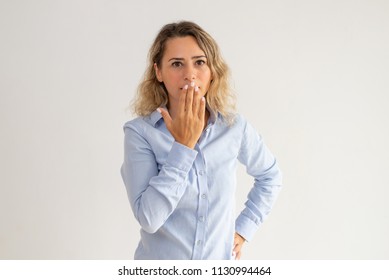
{"x":181,"y":157}
{"x":246,"y":227}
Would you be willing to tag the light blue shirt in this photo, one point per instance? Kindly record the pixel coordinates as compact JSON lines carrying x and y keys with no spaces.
{"x":184,"y":198}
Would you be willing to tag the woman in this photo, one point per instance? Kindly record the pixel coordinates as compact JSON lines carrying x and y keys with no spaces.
{"x":181,"y":153}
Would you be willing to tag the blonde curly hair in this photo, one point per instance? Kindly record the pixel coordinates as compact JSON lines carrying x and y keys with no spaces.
{"x":152,"y":94}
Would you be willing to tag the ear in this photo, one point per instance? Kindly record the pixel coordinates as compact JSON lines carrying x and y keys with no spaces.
{"x":158,"y":73}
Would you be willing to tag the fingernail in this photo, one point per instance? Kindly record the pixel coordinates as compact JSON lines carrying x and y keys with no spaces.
{"x":203,"y":99}
{"x":159,"y":110}
{"x":233,"y":254}
{"x":196,"y":88}
{"x":192,"y":84}
{"x":186,"y":87}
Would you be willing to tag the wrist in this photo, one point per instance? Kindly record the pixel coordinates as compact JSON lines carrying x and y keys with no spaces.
{"x":190,"y":145}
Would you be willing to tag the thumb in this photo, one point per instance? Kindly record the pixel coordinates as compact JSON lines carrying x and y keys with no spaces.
{"x":166,"y":116}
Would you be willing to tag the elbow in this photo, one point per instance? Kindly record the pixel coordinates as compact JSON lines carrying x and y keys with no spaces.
{"x":273,"y":175}
{"x":150,"y":228}
{"x":150,"y":215}
{"x":148,"y":224}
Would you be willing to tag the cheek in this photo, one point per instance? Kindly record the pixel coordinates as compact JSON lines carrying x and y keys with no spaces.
{"x":207,"y":77}
{"x":169,"y":80}
{"x":204,"y":74}
{"x":174,"y":76}
{"x":173,"y":82}
{"x":209,"y":73}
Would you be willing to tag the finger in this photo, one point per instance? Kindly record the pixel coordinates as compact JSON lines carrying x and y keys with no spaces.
{"x":238,"y":255}
{"x":235,"y":251}
{"x":238,"y":244}
{"x":182,"y":100}
{"x":201,"y":112}
{"x":196,"y":100}
{"x":166,"y":117}
{"x":237,"y":247}
{"x":189,"y":97}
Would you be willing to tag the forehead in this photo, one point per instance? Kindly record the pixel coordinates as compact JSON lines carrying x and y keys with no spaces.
{"x":182,"y":47}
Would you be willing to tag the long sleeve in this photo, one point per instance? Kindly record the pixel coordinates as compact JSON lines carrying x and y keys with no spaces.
{"x":154,"y":189}
{"x":262,"y":165}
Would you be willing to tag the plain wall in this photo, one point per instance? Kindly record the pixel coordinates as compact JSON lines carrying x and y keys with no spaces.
{"x":311,"y":76}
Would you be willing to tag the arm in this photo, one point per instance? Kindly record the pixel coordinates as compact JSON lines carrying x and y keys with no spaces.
{"x":153,"y":195}
{"x":262,"y":165}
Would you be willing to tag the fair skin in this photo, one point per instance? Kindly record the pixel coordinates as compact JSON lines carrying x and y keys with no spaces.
{"x":187,"y":77}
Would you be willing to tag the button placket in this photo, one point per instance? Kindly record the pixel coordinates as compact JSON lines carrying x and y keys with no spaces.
{"x":202,"y":205}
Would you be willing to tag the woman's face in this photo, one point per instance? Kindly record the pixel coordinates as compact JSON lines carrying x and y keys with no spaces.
{"x":182,"y":63}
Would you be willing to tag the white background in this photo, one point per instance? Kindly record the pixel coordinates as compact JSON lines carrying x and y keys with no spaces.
{"x":311,"y":76}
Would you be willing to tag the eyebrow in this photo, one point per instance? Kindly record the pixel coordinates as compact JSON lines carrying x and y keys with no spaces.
{"x":193,"y":57}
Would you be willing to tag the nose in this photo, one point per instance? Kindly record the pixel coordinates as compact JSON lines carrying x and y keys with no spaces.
{"x":190,"y":73}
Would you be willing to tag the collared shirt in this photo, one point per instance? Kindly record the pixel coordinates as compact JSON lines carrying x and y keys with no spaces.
{"x":184,"y":198}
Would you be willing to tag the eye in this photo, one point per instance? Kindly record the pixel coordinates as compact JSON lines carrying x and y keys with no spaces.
{"x":200,"y":62}
{"x":176,"y":64}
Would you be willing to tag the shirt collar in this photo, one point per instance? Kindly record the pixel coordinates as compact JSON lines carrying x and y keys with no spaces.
{"x":154,"y":118}
{"x":212,"y":115}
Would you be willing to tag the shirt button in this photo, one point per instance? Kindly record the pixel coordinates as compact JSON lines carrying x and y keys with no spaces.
{"x":198,"y":243}
{"x":201,"y":172}
{"x":201,"y":219}
{"x":203,"y":196}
